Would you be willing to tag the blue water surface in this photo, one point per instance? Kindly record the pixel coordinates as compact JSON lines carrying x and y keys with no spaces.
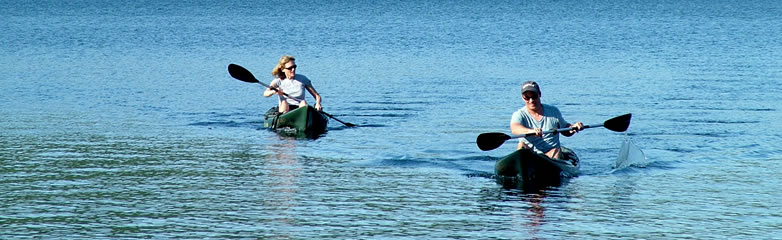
{"x":118,"y":119}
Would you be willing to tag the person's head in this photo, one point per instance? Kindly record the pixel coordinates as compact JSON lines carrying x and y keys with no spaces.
{"x":530,"y":91}
{"x":286,"y":67}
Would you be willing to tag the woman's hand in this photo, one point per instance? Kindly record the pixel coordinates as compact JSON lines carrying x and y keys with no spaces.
{"x":272,"y":91}
{"x":578,"y":126}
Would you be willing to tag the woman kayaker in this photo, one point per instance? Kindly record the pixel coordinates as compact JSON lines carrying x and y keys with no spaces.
{"x":291,"y":84}
{"x":536,"y":117}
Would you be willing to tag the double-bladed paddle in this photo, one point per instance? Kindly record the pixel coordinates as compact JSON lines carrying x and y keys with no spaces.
{"x":245,"y":75}
{"x":489,"y":141}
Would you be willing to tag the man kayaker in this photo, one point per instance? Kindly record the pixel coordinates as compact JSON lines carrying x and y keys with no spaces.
{"x":536,"y":117}
{"x":291,"y":84}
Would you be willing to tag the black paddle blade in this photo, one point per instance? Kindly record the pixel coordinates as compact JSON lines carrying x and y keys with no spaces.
{"x":241,"y":73}
{"x":618,"y":124}
{"x":489,"y":141}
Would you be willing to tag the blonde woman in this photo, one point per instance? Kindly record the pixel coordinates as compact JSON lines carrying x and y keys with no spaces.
{"x":291,"y":84}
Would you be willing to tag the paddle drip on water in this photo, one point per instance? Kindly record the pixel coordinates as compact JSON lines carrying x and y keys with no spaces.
{"x":629,"y":155}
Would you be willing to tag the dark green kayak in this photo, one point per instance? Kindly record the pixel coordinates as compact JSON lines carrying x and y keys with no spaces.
{"x":304,"y":122}
{"x":526,"y":165}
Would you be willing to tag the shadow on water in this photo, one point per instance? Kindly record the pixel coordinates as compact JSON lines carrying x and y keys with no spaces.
{"x":510,"y":183}
{"x":213,"y":120}
{"x":229,"y":124}
{"x":287,"y":133}
{"x":386,"y":115}
{"x":479,"y":166}
{"x":536,"y":186}
{"x":340,"y":126}
{"x":642,"y":167}
{"x":222,"y":121}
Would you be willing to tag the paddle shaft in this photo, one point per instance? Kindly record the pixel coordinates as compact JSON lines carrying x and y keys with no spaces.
{"x":489,"y":141}
{"x":555,"y":131}
{"x":564,"y":129}
{"x":340,"y":121}
{"x":616,"y":124}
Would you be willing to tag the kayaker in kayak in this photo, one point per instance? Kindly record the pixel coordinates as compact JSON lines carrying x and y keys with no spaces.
{"x":536,"y":117}
{"x":292,"y":84}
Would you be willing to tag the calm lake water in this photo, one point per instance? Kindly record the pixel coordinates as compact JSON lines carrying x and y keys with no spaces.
{"x":118,"y":119}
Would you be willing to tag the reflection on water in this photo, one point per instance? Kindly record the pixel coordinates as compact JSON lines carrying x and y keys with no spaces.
{"x":524,"y":211}
{"x":537,"y":212}
{"x":281,"y":170}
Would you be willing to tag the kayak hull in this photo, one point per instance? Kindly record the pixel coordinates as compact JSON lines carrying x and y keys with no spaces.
{"x":300,"y":122}
{"x":524,"y":165}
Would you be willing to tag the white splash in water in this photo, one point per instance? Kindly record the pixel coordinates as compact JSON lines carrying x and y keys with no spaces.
{"x":629,"y":155}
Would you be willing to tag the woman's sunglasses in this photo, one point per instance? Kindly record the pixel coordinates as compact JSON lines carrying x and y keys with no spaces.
{"x":291,"y":67}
